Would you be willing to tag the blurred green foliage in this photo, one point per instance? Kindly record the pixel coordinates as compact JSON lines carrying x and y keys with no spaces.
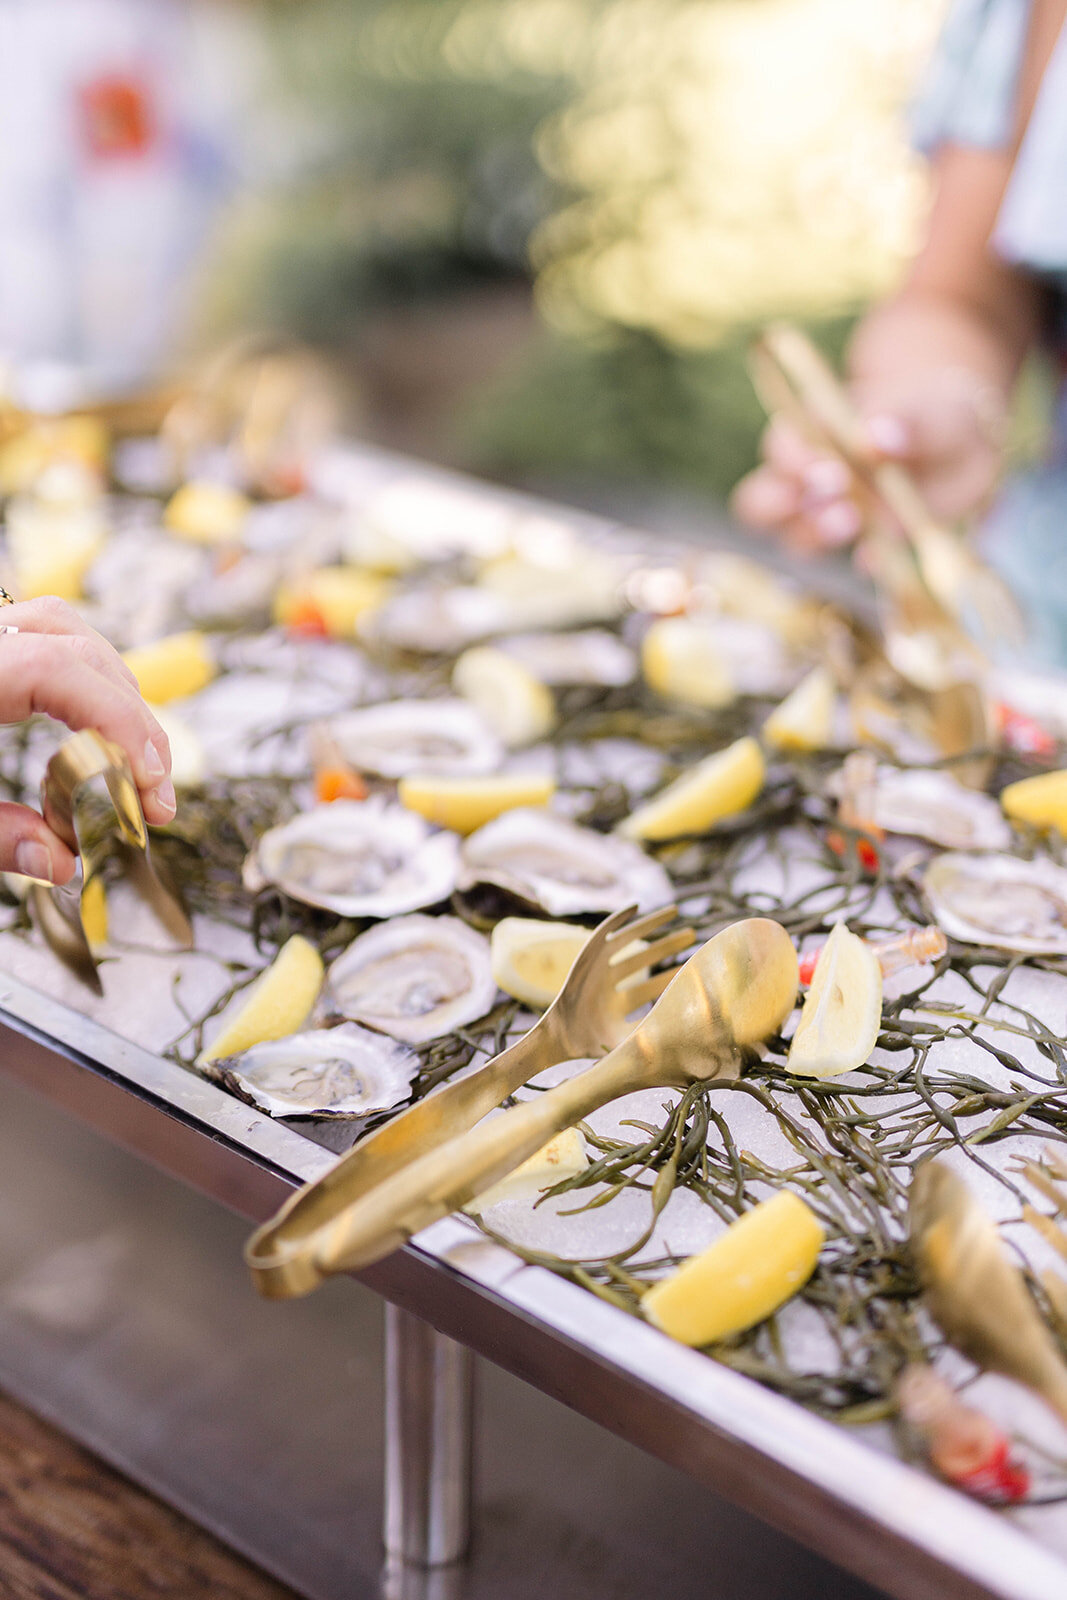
{"x":405,"y":171}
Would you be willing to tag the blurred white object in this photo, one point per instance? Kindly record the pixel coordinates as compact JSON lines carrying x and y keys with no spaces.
{"x":116,"y":148}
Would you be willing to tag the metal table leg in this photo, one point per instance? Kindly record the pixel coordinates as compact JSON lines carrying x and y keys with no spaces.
{"x":428,"y":1407}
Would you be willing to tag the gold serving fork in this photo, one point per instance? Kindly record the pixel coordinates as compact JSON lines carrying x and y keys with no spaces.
{"x":946,"y":585}
{"x":729,"y":997}
{"x":587,"y":1018}
{"x":63,"y":913}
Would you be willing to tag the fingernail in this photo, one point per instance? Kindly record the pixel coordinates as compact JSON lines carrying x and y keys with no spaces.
{"x":153,"y":761}
{"x":888,"y":434}
{"x":165,"y":796}
{"x":33,"y":860}
{"x":839,"y":523}
{"x":826,"y":479}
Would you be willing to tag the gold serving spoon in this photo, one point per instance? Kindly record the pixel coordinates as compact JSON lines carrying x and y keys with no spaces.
{"x":728,"y":998}
{"x":64,"y":914}
{"x":976,"y":1294}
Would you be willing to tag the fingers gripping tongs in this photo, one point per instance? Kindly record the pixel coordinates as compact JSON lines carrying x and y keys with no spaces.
{"x":73,"y":919}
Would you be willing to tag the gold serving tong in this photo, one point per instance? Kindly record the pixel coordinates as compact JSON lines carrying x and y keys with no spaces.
{"x":939,"y":590}
{"x":729,"y":997}
{"x":67,"y":915}
{"x":975,"y":1292}
{"x":587,"y":1018}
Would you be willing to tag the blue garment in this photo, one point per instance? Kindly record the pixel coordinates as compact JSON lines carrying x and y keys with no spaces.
{"x":970,"y":97}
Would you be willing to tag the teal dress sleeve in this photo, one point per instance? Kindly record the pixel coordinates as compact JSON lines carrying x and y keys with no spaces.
{"x":969,"y":93}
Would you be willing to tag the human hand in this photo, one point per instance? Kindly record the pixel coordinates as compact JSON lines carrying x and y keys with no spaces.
{"x":947,"y":428}
{"x":57,"y":666}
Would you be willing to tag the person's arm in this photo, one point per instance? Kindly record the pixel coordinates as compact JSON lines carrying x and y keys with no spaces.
{"x":932,"y":370}
{"x":57,"y":666}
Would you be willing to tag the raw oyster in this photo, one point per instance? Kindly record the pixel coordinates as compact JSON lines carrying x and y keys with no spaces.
{"x":440,"y":738}
{"x":360,"y":858}
{"x":438,"y":620}
{"x":1001,"y":901}
{"x":931,"y":805}
{"x":326,"y":1072}
{"x":415,"y":978}
{"x":591,"y":656}
{"x":560,"y":867}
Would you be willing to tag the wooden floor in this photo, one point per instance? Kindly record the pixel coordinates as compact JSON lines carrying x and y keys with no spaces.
{"x":71,"y":1529}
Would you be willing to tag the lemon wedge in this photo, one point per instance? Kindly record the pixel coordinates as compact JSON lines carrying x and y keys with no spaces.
{"x":52,"y":546}
{"x":207,"y":513}
{"x":179,"y":665}
{"x":562,"y":1157}
{"x":330,"y":600}
{"x":805,"y":718}
{"x":1040,"y":801}
{"x":94,"y":913}
{"x":718,"y":787}
{"x":531,"y":959}
{"x":681,"y":661}
{"x":842,"y":1010}
{"x":753,"y":1268}
{"x":464,"y":804}
{"x":277,"y":1004}
{"x":26,"y":456}
{"x":518,"y":706}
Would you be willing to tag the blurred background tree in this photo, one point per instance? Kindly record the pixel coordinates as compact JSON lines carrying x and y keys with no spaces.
{"x":539,"y":232}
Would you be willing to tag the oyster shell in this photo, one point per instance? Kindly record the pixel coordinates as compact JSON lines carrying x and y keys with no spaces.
{"x":1001,"y":901}
{"x":561,"y":867}
{"x":933,"y":805}
{"x":591,"y":656}
{"x":360,"y":858}
{"x":327,"y":1072}
{"x":415,"y":978}
{"x":439,"y":738}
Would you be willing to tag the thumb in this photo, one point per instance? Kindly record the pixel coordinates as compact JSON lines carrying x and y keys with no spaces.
{"x":28,"y":846}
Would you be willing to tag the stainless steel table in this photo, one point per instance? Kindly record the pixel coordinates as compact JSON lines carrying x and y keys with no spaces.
{"x":454,"y":1292}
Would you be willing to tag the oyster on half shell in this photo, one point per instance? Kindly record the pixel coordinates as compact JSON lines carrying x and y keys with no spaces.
{"x":931,"y":805}
{"x":360,"y":858}
{"x":441,"y":738}
{"x":327,"y":1072}
{"x":590,"y":656}
{"x":562,"y":868}
{"x":1000,"y":901}
{"x":415,"y":978}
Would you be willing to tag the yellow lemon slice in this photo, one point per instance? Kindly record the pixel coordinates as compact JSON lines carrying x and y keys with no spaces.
{"x":753,"y":1268}
{"x":805,"y":718}
{"x":207,"y":513}
{"x":179,"y":665}
{"x":681,"y":661}
{"x":464,"y":804}
{"x":52,"y":547}
{"x":94,"y":913}
{"x":531,"y":959}
{"x":1040,"y":801}
{"x":842,"y":1011}
{"x":718,"y":787}
{"x":516,"y":705}
{"x":277,"y":1004}
{"x":330,"y":600}
{"x":562,"y":1157}
{"x":29,"y":454}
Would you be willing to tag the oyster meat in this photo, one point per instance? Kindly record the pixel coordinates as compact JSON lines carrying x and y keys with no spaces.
{"x":327,"y":1072}
{"x":1000,"y":901}
{"x":438,"y":738}
{"x":933,"y":805}
{"x":562,"y":868}
{"x":591,"y":656}
{"x":415,"y":978}
{"x":360,"y":858}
